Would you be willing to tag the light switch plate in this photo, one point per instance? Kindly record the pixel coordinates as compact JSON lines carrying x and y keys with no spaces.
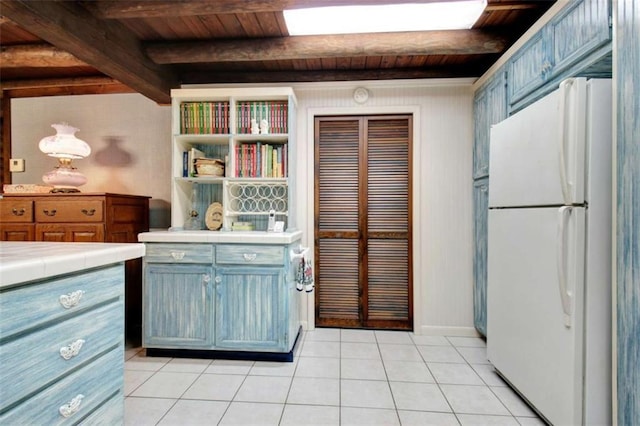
{"x":16,"y":165}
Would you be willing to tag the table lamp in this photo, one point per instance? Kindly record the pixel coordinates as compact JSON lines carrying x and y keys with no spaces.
{"x":65,"y":146}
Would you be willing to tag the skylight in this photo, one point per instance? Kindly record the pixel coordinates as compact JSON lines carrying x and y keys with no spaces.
{"x":384,"y":18}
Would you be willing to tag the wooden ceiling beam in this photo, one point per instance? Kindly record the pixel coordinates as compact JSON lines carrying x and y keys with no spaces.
{"x":202,"y":77}
{"x":37,"y":56}
{"x":58,"y":82}
{"x":453,"y":42}
{"x":107,"y":46}
{"x":117,"y":9}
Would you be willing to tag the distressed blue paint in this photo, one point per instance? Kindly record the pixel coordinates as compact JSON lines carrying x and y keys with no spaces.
{"x":480,"y":206}
{"x":222,"y":296}
{"x":35,"y":379}
{"x":628,"y":210}
{"x":178,"y":307}
{"x":575,"y":42}
{"x":490,"y":107}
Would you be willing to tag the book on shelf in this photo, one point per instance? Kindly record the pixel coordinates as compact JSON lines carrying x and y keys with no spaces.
{"x":262,"y":160}
{"x":192,"y":154}
{"x":204,"y":117}
{"x":274,"y":112}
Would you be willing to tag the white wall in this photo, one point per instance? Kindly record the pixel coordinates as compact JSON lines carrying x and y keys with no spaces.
{"x":442,"y":150}
{"x":129,"y":136}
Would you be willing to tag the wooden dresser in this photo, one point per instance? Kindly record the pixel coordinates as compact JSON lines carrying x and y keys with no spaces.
{"x":83,"y":217}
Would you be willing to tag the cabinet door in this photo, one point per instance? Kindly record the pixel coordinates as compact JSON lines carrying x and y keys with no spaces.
{"x":579,"y":30}
{"x":490,"y":107}
{"x":251,"y":309}
{"x":178,"y":306}
{"x":530,"y":67}
{"x":66,"y":232}
{"x":480,"y":206}
{"x":17,"y":232}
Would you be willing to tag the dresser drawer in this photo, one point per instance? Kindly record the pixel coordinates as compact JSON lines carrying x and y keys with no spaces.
{"x":77,"y":395}
{"x":30,"y":362}
{"x":57,"y":298}
{"x":249,"y":254}
{"x":16,"y":211}
{"x":179,"y":253}
{"x":69,"y":211}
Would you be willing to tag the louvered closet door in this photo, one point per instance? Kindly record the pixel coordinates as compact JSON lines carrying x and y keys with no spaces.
{"x":363,"y":223}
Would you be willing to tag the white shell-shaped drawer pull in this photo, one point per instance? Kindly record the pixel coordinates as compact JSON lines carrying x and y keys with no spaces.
{"x":72,"y":407}
{"x":206,"y":278}
{"x":249,"y":256}
{"x":72,"y":299}
{"x":69,"y":351}
{"x":177,"y":255}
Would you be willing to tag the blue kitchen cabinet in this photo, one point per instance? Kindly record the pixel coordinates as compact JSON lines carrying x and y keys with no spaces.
{"x":490,"y":107}
{"x":626,"y":213}
{"x":62,"y":347}
{"x":251,"y":308}
{"x":178,"y":306}
{"x":214,"y":297}
{"x":582,"y":28}
{"x":530,"y":67}
{"x":575,"y":42}
{"x":480,"y":228}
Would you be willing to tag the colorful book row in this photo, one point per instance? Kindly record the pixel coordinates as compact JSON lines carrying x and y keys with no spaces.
{"x":261,"y":160}
{"x":274,"y":112}
{"x":204,"y":118}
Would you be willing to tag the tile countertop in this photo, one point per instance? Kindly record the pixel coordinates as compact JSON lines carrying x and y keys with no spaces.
{"x":242,"y":237}
{"x":26,"y":261}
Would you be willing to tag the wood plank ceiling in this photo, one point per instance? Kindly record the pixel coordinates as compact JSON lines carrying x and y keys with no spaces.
{"x":150,"y":47}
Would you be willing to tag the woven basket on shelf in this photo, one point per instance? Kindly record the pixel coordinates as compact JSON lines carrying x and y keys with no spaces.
{"x":209,"y":167}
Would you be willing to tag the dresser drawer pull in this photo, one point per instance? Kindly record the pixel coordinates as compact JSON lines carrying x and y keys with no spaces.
{"x":72,"y":407}
{"x":72,"y":299}
{"x":17,"y":212}
{"x":177,"y":255}
{"x":89,"y":212}
{"x":71,"y":350}
{"x":249,"y":256}
{"x":49,"y":212}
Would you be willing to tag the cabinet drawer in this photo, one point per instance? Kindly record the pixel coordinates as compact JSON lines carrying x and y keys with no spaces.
{"x":69,"y":211}
{"x":77,"y":395}
{"x":32,"y":361}
{"x":179,"y":253}
{"x":57,"y":298}
{"x":16,"y":211}
{"x":249,"y":254}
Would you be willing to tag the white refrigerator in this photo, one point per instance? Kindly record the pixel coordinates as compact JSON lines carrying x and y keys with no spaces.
{"x":549,"y":253}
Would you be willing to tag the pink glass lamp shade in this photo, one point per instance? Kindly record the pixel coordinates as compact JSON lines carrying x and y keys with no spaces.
{"x":65,"y":146}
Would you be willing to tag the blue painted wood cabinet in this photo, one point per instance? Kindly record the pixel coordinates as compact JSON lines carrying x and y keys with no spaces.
{"x":62,"y":349}
{"x":490,"y":107}
{"x":220,"y":296}
{"x":574,"y":42}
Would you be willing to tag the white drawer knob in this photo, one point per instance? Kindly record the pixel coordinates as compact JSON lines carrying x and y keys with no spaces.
{"x":177,"y":255}
{"x":69,"y":351}
{"x":249,"y":256}
{"x":72,"y":299}
{"x":72,"y":407}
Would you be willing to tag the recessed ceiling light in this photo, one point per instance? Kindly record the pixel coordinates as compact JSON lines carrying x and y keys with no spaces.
{"x":384,"y":18}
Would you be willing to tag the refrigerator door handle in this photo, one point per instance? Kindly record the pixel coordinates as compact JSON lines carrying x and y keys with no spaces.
{"x":565,"y":91}
{"x":565,"y":294}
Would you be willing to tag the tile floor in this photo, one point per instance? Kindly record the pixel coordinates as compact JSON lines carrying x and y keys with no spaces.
{"x":338,"y":377}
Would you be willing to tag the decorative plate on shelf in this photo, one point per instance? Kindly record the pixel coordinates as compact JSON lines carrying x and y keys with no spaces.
{"x":213,"y":217}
